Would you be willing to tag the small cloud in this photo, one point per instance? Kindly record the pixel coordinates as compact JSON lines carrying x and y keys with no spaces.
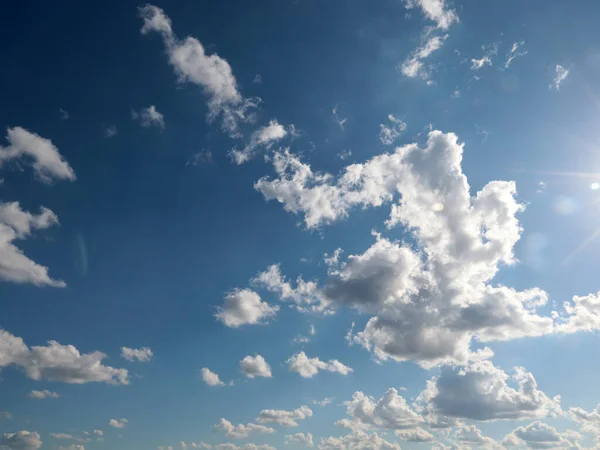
{"x":211,"y":378}
{"x":202,"y":157}
{"x":541,"y":187}
{"x":389,"y":133}
{"x":118,"y":423}
{"x":482,"y":132}
{"x":257,"y":79}
{"x":322,"y":403}
{"x":486,"y":60}
{"x":338,"y":119}
{"x":560,"y":74}
{"x":5,"y":415}
{"x":143,"y":354}
{"x":514,"y":53}
{"x":110,"y":131}
{"x":255,"y":366}
{"x":149,"y":117}
{"x":40,"y":395}
{"x":345,"y":154}
{"x":64,"y":115}
{"x":455,"y":94}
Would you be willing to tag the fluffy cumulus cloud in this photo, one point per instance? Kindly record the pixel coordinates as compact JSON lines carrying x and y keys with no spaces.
{"x":470,"y":435}
{"x":143,"y":354}
{"x":417,"y":434}
{"x":588,"y":420}
{"x":309,"y":367}
{"x":149,"y":117}
{"x":264,"y":137}
{"x":21,"y":440}
{"x":560,"y":74}
{"x":118,"y":423}
{"x":211,"y":378}
{"x":56,"y":362}
{"x":29,"y":148}
{"x":41,"y":395}
{"x":283,"y":417}
{"x":71,"y":447}
{"x":241,"y":431}
{"x":388,"y":133}
{"x":539,"y":435}
{"x":255,"y":366}
{"x":435,"y":10}
{"x":211,"y":72}
{"x":249,"y":446}
{"x":481,"y":391}
{"x":358,"y":440}
{"x":16,"y":224}
{"x":305,"y":439}
{"x":390,"y":412}
{"x":244,"y":307}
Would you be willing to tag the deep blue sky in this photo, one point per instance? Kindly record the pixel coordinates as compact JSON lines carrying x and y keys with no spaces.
{"x":149,"y":244}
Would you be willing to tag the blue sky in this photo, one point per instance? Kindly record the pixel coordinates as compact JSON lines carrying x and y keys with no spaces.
{"x":289,"y":224}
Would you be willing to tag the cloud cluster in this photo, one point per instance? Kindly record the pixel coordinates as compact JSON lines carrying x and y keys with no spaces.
{"x":192,"y":64}
{"x":263,"y":137}
{"x":283,"y":417}
{"x":241,"y":431}
{"x":308,"y":367}
{"x":539,"y":435}
{"x":21,"y":440}
{"x":56,"y":362}
{"x":305,"y":439}
{"x":358,"y":440}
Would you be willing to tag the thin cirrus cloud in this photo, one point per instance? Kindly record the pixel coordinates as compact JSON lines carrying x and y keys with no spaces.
{"x":41,"y":395}
{"x":560,"y":74}
{"x":149,"y":117}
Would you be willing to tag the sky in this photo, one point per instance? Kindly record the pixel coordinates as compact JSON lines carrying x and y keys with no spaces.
{"x":330,"y":224}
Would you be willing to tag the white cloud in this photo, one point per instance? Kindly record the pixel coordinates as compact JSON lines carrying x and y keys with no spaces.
{"x":56,"y":362}
{"x":309,"y":367}
{"x":413,"y":66}
{"x":340,"y":121}
{"x":211,"y":72}
{"x":589,"y":421}
{"x":149,"y":117}
{"x":244,"y":307}
{"x":110,"y":131}
{"x":201,"y":157}
{"x":322,"y":403}
{"x":118,"y":423}
{"x":435,"y":10}
{"x":241,"y":431}
{"x":514,"y":53}
{"x":21,"y":440}
{"x":255,"y":366}
{"x":18,"y":224}
{"x":560,"y":74}
{"x":250,"y":446}
{"x":486,"y":59}
{"x":390,"y":412}
{"x":143,"y":354}
{"x":305,"y":439}
{"x":64,"y":115}
{"x":263,"y":137}
{"x":211,"y":378}
{"x":470,"y":435}
{"x":481,"y":391}
{"x":283,"y":417}
{"x":63,"y":436}
{"x":581,"y":314}
{"x":358,"y":440}
{"x":40,"y":395}
{"x":71,"y":447}
{"x":43,"y":155}
{"x":389,"y":133}
{"x":539,"y":435}
{"x":417,"y":434}
{"x":98,"y":433}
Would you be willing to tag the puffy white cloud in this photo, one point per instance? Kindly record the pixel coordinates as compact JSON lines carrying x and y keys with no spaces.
{"x":389,"y":133}
{"x":192,"y":64}
{"x":249,"y":446}
{"x":358,"y":440}
{"x":211,"y":378}
{"x":118,"y":423}
{"x":40,"y":395}
{"x":435,"y":10}
{"x":244,"y":307}
{"x":514,"y":53}
{"x":283,"y":417}
{"x":470,"y":435}
{"x":300,"y":439}
{"x":263,"y":137}
{"x":56,"y":362}
{"x":560,"y":74}
{"x":241,"y":431}
{"x":539,"y":435}
{"x":390,"y":412}
{"x":417,"y":434}
{"x":143,"y":354}
{"x":486,"y":59}
{"x":21,"y":440}
{"x":18,"y":224}
{"x":481,"y":391}
{"x":309,"y":367}
{"x":47,"y":162}
{"x":589,"y":421}
{"x":581,"y":314}
{"x":255,"y":366}
{"x":149,"y":117}
{"x":413,"y":66}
